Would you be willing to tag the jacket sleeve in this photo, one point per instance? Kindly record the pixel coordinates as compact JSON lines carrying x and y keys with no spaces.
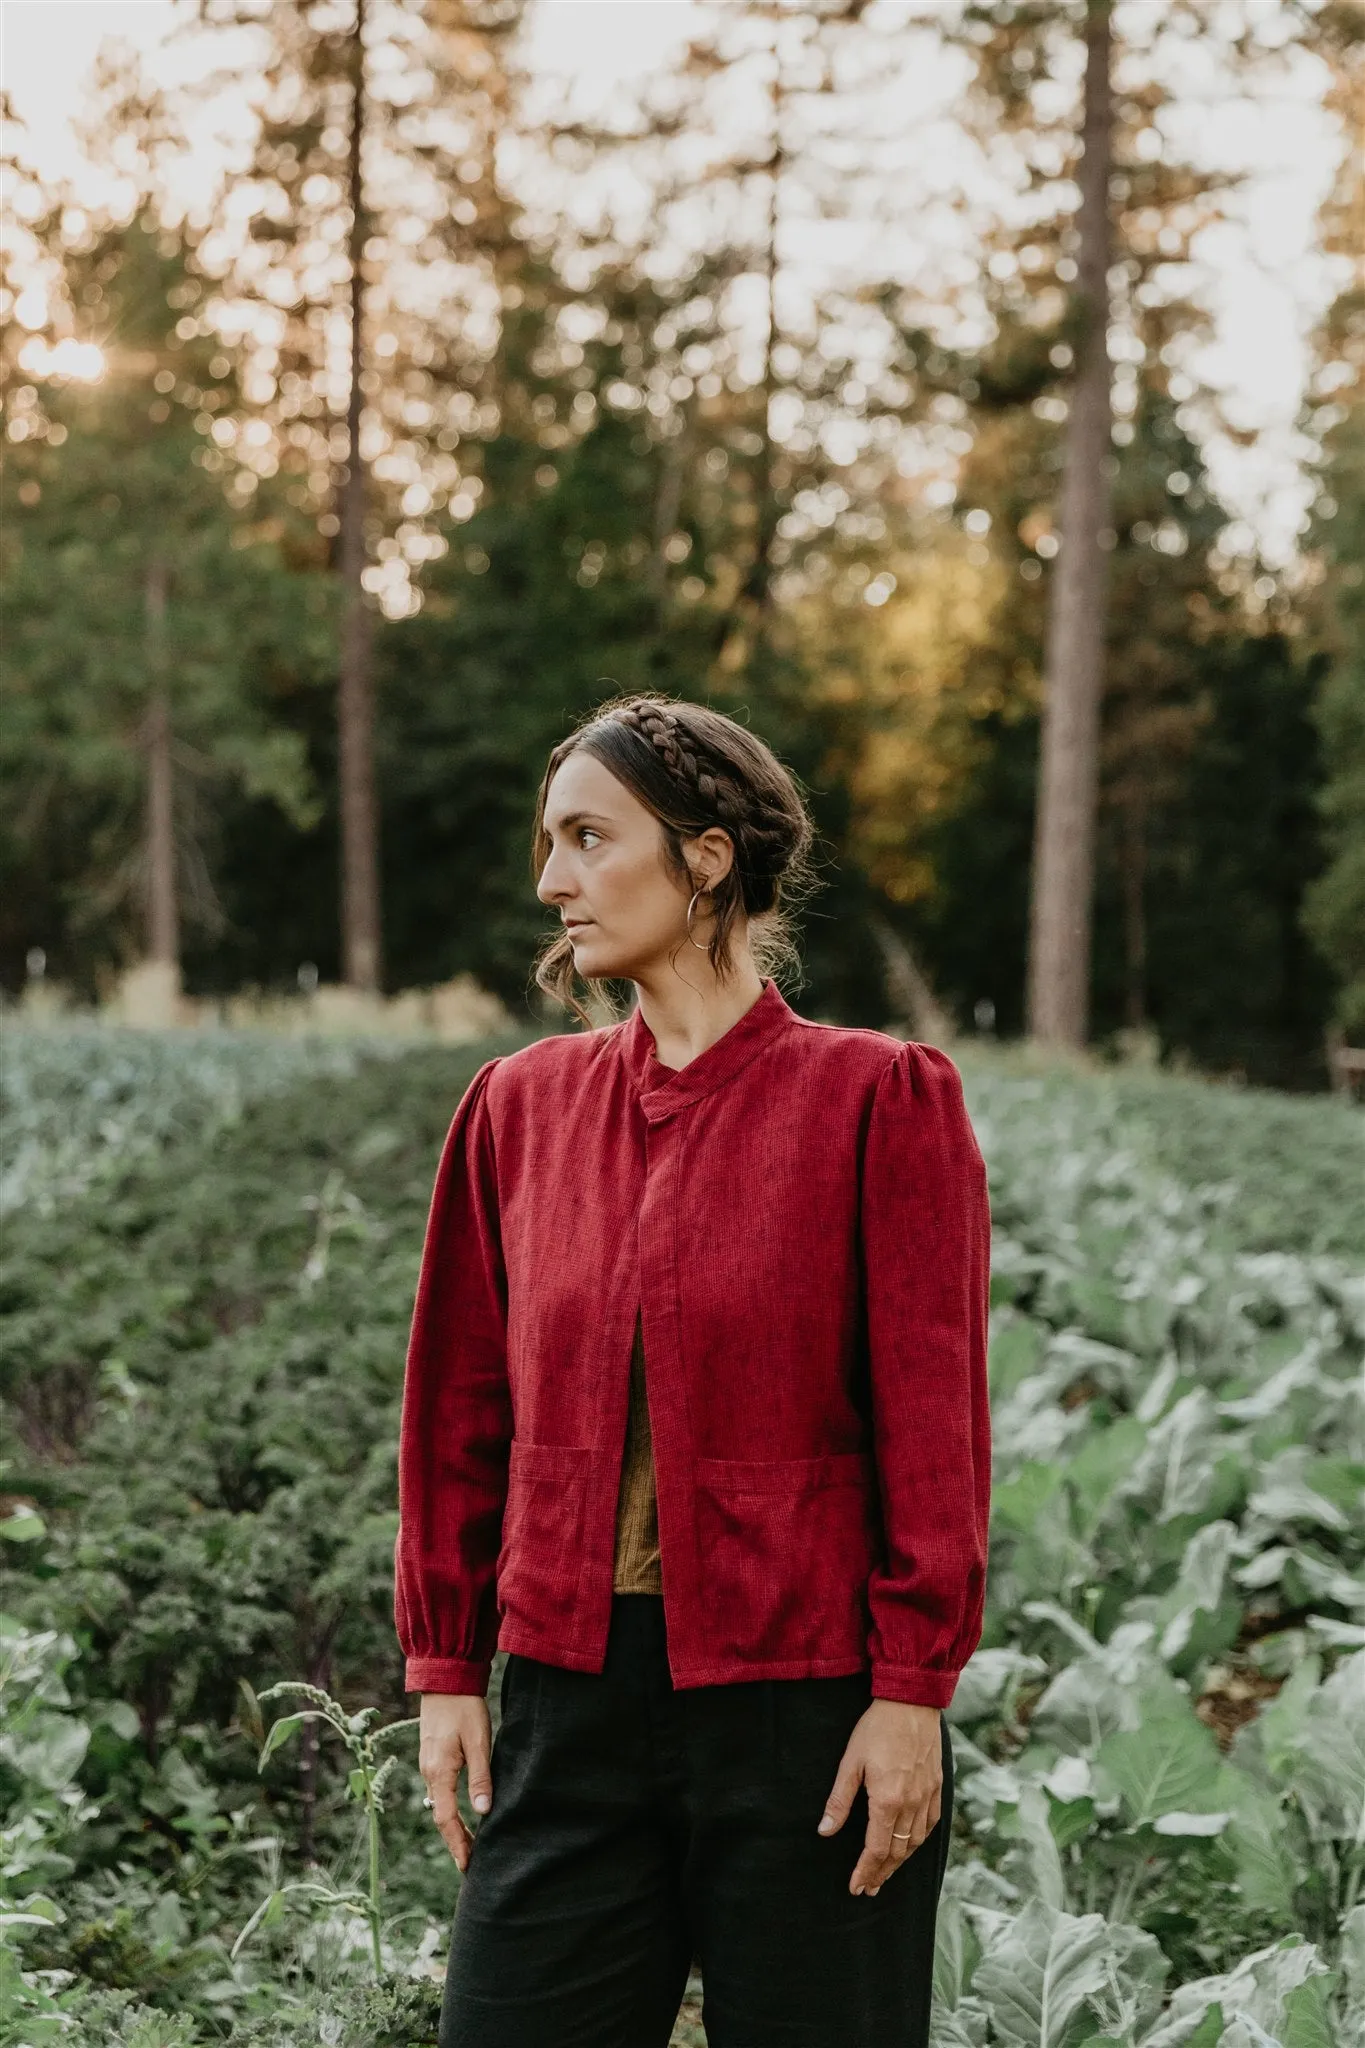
{"x":456,"y":1429}
{"x":925,"y":1228}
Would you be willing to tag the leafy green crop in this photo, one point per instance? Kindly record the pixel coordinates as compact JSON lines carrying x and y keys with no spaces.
{"x":1160,"y":1745}
{"x":78,"y":1101}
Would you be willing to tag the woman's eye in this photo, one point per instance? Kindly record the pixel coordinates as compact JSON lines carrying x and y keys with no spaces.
{"x":586,"y":832}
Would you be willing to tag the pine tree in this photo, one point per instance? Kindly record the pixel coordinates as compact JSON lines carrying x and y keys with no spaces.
{"x":375,"y":234}
{"x":1064,"y":857}
{"x":1336,"y":905}
{"x":1096,"y":321}
{"x":753,"y":134}
{"x":143,"y":622}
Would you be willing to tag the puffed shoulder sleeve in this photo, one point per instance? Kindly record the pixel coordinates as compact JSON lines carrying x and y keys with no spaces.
{"x":925,"y":1227}
{"x":456,"y":1429}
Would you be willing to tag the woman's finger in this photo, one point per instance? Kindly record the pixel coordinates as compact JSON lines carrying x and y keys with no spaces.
{"x":442,"y":1779}
{"x":456,"y":1836}
{"x":479,"y":1772}
{"x":908,"y":1829}
{"x":872,"y":1865}
{"x":846,"y":1782}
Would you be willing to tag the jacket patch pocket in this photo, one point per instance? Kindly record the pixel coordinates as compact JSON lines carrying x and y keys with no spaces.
{"x":786,"y":1547}
{"x":542,"y":1536}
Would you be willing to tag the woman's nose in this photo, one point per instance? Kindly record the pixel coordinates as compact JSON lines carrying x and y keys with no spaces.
{"x":549,"y":888}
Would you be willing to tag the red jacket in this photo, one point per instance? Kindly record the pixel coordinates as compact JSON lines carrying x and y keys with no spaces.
{"x":801,"y":1214}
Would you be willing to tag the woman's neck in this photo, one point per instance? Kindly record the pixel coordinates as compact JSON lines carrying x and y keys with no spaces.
{"x":684,"y":1020}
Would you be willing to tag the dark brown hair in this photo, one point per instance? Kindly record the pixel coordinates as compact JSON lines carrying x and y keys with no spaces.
{"x":694,"y":768}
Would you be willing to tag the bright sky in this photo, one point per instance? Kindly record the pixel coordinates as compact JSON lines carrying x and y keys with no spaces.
{"x":1267,"y":280}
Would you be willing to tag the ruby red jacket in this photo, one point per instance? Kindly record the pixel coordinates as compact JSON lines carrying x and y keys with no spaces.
{"x":800,"y":1214}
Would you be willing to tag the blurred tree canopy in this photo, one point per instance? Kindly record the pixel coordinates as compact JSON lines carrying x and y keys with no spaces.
{"x":116,"y":535}
{"x":585,"y":480}
{"x":1336,"y":903}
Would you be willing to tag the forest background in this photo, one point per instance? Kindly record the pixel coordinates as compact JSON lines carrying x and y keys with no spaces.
{"x":337,"y":492}
{"x":378,"y":398}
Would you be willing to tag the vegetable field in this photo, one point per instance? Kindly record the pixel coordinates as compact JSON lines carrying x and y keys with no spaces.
{"x":209,"y":1251}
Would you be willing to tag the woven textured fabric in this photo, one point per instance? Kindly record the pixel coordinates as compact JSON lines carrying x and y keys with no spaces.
{"x":799,"y":1216}
{"x":636,"y":1568}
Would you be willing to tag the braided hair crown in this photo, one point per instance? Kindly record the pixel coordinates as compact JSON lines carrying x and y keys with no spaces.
{"x":769,"y":830}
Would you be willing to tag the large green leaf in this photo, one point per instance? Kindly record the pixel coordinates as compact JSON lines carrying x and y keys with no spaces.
{"x":1035,"y":1864}
{"x":1103,"y":1459}
{"x":1169,"y":1764}
{"x":1324,"y":1581}
{"x":1258,"y":1991}
{"x":1139,"y":1973}
{"x":963,"y":2026}
{"x":1190,"y":2030}
{"x":53,"y":1754}
{"x":1307,"y":2019}
{"x":1280,"y":1724}
{"x":989,"y":1682}
{"x":1267,"y":1874}
{"x":957,"y":1951}
{"x":1039,"y":1973}
{"x":1018,"y":1502}
{"x":1016,"y":1346}
{"x":1108,"y":1687}
{"x":1287,"y":1498}
{"x":1329,"y":1771}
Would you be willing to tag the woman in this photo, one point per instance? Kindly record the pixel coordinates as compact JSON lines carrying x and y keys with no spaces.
{"x":695,"y":1429}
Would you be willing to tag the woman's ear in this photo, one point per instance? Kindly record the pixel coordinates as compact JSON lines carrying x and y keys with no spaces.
{"x":710,"y":856}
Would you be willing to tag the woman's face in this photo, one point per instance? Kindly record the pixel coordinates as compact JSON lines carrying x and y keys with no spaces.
{"x":607,"y":876}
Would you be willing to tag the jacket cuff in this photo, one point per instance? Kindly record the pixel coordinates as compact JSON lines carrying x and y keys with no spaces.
{"x":913,"y":1687}
{"x":447,"y":1674}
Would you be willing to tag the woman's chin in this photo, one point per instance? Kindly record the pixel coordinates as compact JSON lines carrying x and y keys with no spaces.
{"x":606,"y":963}
{"x":595,"y":962}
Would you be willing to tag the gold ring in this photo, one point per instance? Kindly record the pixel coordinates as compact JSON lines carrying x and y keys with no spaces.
{"x":906,"y":1837}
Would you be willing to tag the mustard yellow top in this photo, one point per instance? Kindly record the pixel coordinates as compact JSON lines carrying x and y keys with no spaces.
{"x":637,"y":1515}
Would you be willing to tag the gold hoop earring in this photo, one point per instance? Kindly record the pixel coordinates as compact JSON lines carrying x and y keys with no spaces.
{"x":690,"y":908}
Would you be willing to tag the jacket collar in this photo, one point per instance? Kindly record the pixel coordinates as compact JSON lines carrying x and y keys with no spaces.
{"x":663,"y":1089}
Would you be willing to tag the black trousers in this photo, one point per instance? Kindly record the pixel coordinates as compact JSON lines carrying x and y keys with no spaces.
{"x":635,"y":1827}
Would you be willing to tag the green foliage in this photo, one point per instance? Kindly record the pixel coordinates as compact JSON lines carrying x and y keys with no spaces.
{"x":1158,"y":1744}
{"x":41,"y":1748}
{"x":1283,"y":1173}
{"x":114,"y":489}
{"x":605,"y":551}
{"x":546,"y":603}
{"x":365,"y":1783}
{"x":1180,"y":1477}
{"x":79,"y":1107}
{"x":404,"y":2013}
{"x":551,"y":596}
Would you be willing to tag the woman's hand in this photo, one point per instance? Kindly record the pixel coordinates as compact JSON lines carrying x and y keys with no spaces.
{"x":896,"y":1750}
{"x":455,"y":1734}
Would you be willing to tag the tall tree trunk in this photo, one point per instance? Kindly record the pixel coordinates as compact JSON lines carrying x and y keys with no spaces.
{"x":163,"y":919}
{"x":761,"y":574}
{"x":744,"y":633}
{"x":360,"y":925}
{"x":1135,"y":911}
{"x":1064,"y":838}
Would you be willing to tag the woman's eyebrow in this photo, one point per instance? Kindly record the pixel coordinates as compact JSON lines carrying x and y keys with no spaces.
{"x":576,"y":818}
